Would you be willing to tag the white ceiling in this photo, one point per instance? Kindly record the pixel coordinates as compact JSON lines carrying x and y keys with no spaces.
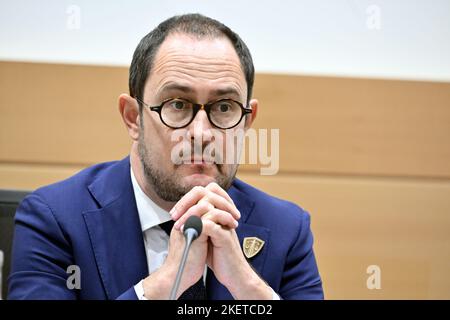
{"x":410,"y":40}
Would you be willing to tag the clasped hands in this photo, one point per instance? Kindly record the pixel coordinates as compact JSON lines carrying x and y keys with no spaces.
{"x":217,"y":246}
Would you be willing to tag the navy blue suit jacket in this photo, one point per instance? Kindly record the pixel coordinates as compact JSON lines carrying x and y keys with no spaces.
{"x":91,"y":220}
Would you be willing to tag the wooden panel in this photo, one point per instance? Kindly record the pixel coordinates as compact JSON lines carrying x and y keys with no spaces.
{"x":337,"y":135}
{"x":403,"y":226}
{"x":68,"y":114}
{"x":32,"y":176}
{"x":358,"y":126}
{"x":61,"y":113}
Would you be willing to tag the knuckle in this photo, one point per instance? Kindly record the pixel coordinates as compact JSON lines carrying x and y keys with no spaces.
{"x":207,"y":224}
{"x":206,"y":198}
{"x":212,"y":185}
{"x":210,"y":194}
{"x":203,"y":206}
{"x":215,"y":213}
{"x":207,"y":216}
{"x":192,"y":211}
{"x":198,"y":190}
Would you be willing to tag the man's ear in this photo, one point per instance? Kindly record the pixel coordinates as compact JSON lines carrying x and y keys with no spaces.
{"x":249,"y":120}
{"x":129,"y":110}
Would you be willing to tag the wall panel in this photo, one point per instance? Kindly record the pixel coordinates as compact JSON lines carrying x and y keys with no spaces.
{"x":367,"y":158}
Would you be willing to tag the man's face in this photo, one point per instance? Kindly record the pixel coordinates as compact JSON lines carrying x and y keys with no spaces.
{"x":199,"y":70}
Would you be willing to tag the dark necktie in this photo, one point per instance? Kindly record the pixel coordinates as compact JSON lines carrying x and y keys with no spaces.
{"x":197,"y":291}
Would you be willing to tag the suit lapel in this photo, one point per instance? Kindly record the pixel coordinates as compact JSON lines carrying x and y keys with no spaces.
{"x":245,"y":205}
{"x":115,"y":231}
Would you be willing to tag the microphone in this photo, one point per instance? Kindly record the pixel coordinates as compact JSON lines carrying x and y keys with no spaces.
{"x":192,"y":230}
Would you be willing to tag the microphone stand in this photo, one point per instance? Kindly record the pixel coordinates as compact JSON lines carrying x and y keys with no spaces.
{"x":193,"y":229}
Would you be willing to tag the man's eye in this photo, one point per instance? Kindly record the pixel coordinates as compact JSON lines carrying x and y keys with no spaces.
{"x":178,"y":105}
{"x":224,"y":107}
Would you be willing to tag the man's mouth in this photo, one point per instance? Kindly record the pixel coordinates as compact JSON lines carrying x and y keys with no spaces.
{"x":202,"y":165}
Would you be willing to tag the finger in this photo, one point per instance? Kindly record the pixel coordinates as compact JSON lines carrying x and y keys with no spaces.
{"x":214,"y":187}
{"x":210,"y":228}
{"x":219,"y":235}
{"x":221,"y":203}
{"x":187,"y":201}
{"x":224,"y":218}
{"x":198,"y":210}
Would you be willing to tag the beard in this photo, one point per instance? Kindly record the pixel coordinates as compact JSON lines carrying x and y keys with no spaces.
{"x":168,"y":185}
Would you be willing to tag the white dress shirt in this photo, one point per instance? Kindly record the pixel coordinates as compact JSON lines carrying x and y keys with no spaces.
{"x":156,"y":240}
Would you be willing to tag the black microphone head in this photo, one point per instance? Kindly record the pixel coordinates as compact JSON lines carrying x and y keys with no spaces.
{"x":194,"y":222}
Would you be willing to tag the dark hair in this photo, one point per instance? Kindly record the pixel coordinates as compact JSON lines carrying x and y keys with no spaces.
{"x":192,"y":24}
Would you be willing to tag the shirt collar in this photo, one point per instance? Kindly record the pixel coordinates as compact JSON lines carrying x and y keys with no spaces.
{"x":150,"y":214}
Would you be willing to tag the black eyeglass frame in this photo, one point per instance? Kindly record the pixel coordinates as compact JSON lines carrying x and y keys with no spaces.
{"x":196,"y":107}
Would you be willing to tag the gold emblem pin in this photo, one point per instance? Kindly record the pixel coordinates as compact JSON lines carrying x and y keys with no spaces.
{"x":252,"y":245}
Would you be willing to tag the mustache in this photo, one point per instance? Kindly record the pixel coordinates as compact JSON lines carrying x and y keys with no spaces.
{"x":206,"y":152}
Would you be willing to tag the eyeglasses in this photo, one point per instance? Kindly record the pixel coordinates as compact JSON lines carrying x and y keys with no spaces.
{"x":178,"y":113}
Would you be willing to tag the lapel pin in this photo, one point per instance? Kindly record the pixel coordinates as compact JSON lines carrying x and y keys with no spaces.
{"x":252,"y":246}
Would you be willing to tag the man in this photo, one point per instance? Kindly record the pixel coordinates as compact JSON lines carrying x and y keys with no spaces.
{"x":193,"y":77}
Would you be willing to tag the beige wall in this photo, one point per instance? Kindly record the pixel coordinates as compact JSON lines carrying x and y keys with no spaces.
{"x":369,"y":159}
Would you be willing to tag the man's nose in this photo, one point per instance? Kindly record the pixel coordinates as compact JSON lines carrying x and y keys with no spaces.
{"x":200,"y":127}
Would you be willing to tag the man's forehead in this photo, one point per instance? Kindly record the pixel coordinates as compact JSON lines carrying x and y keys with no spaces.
{"x":186,"y":56}
{"x":223,"y":89}
{"x":196,"y":45}
{"x":207,"y":52}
